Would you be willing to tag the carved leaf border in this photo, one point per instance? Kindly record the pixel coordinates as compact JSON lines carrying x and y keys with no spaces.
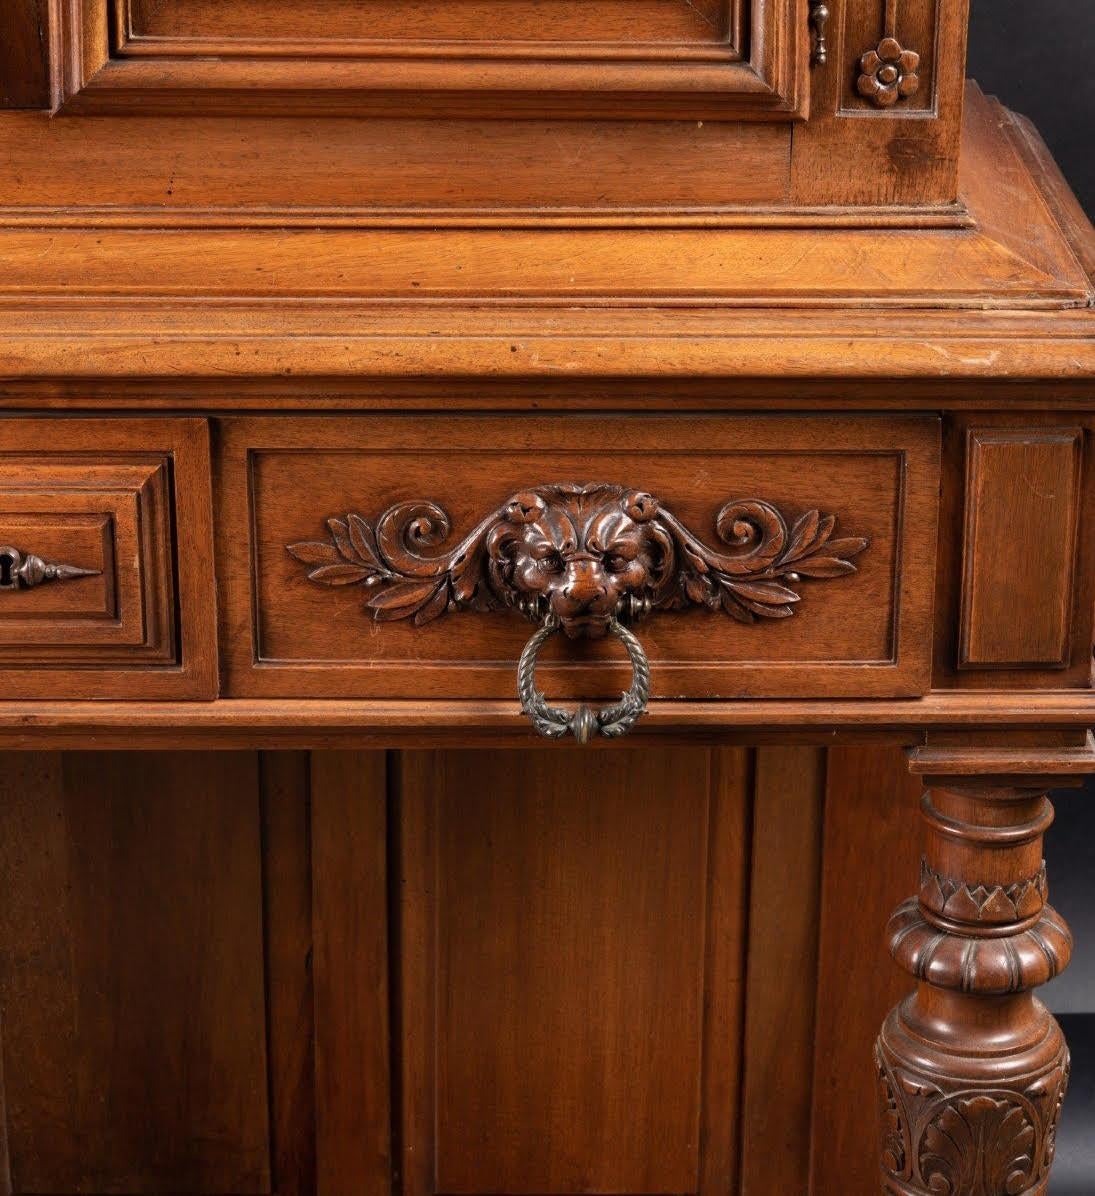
{"x":753,"y":581}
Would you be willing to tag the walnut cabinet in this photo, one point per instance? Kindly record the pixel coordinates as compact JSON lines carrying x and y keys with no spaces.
{"x":547,"y":567}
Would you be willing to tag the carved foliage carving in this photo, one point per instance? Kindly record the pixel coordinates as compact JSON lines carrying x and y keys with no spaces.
{"x":968,"y":902}
{"x":583,"y":553}
{"x":947,"y":1137}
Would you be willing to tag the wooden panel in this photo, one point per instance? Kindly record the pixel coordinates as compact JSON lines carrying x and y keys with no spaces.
{"x":113,"y":519}
{"x":24,"y":61}
{"x":103,"y":496}
{"x":915,"y":25}
{"x":782,"y":972}
{"x":852,"y":151}
{"x":557,"y":990}
{"x":258,"y":23}
{"x":1030,"y":551}
{"x":192,"y":169}
{"x":728,"y":880}
{"x":349,"y":904}
{"x":872,"y":852}
{"x":850,"y":633}
{"x":1022,"y":514}
{"x":131,"y":974}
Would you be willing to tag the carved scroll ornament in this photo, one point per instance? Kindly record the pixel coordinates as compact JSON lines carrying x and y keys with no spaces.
{"x":582,"y":559}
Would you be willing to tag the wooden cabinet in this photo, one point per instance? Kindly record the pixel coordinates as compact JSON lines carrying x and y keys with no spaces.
{"x":507,"y":512}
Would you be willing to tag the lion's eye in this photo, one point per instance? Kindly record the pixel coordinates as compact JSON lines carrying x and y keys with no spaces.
{"x":618,"y":564}
{"x":552,"y":563}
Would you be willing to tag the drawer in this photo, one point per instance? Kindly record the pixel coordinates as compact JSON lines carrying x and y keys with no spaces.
{"x":97,"y":598}
{"x":783,"y":556}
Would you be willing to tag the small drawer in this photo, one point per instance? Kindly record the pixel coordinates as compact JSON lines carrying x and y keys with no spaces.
{"x":96,"y":598}
{"x":788,"y":555}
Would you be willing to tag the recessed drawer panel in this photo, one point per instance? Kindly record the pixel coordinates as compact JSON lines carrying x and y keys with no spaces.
{"x":390,"y":557}
{"x":95,"y":599}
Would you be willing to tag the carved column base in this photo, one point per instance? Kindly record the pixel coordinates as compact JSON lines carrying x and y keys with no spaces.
{"x":972,"y":1067}
{"x":979,"y":1119}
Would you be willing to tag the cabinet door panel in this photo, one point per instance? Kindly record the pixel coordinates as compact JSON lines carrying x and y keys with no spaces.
{"x":131,"y":974}
{"x":557,"y":1006}
{"x":460,"y":973}
{"x":584,"y":58}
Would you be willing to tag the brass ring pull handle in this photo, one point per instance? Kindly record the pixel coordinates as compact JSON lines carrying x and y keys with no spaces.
{"x":584,"y":722}
{"x":19,"y":570}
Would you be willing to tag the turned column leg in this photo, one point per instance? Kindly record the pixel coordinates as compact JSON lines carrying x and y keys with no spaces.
{"x":972,"y":1066}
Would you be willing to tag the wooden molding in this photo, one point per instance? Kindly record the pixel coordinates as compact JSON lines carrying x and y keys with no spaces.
{"x":1015,"y":258}
{"x":1027,"y":761}
{"x":316,"y":723}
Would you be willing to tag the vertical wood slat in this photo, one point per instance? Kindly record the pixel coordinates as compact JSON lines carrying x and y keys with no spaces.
{"x":287,"y":921}
{"x":871,"y":864}
{"x":350,"y":973}
{"x":5,"y":1157}
{"x":414,"y":929}
{"x":789,"y":794}
{"x":724,"y":971}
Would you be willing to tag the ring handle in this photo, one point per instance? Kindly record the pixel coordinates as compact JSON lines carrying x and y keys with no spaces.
{"x":585,"y":722}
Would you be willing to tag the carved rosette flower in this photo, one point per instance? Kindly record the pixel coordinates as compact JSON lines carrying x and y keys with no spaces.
{"x":888,"y":74}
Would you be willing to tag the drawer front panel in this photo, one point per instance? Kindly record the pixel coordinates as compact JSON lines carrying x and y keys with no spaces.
{"x":94,"y":600}
{"x":297,"y":623}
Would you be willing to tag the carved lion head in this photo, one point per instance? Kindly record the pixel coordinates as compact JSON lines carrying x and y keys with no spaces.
{"x":581,"y":552}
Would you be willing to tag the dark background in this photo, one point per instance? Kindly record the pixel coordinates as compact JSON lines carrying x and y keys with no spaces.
{"x":1039,"y":59}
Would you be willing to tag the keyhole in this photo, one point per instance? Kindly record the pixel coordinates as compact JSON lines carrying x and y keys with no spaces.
{"x":8,"y":565}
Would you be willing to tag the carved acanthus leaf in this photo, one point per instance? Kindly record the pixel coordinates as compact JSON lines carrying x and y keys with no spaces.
{"x":539,"y":549}
{"x":967,"y":901}
{"x":949,"y":1137}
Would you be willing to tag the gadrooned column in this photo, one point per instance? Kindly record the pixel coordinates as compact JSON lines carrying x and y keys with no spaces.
{"x":972,"y":1067}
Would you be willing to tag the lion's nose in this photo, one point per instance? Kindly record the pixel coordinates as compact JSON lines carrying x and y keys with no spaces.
{"x":584,"y":584}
